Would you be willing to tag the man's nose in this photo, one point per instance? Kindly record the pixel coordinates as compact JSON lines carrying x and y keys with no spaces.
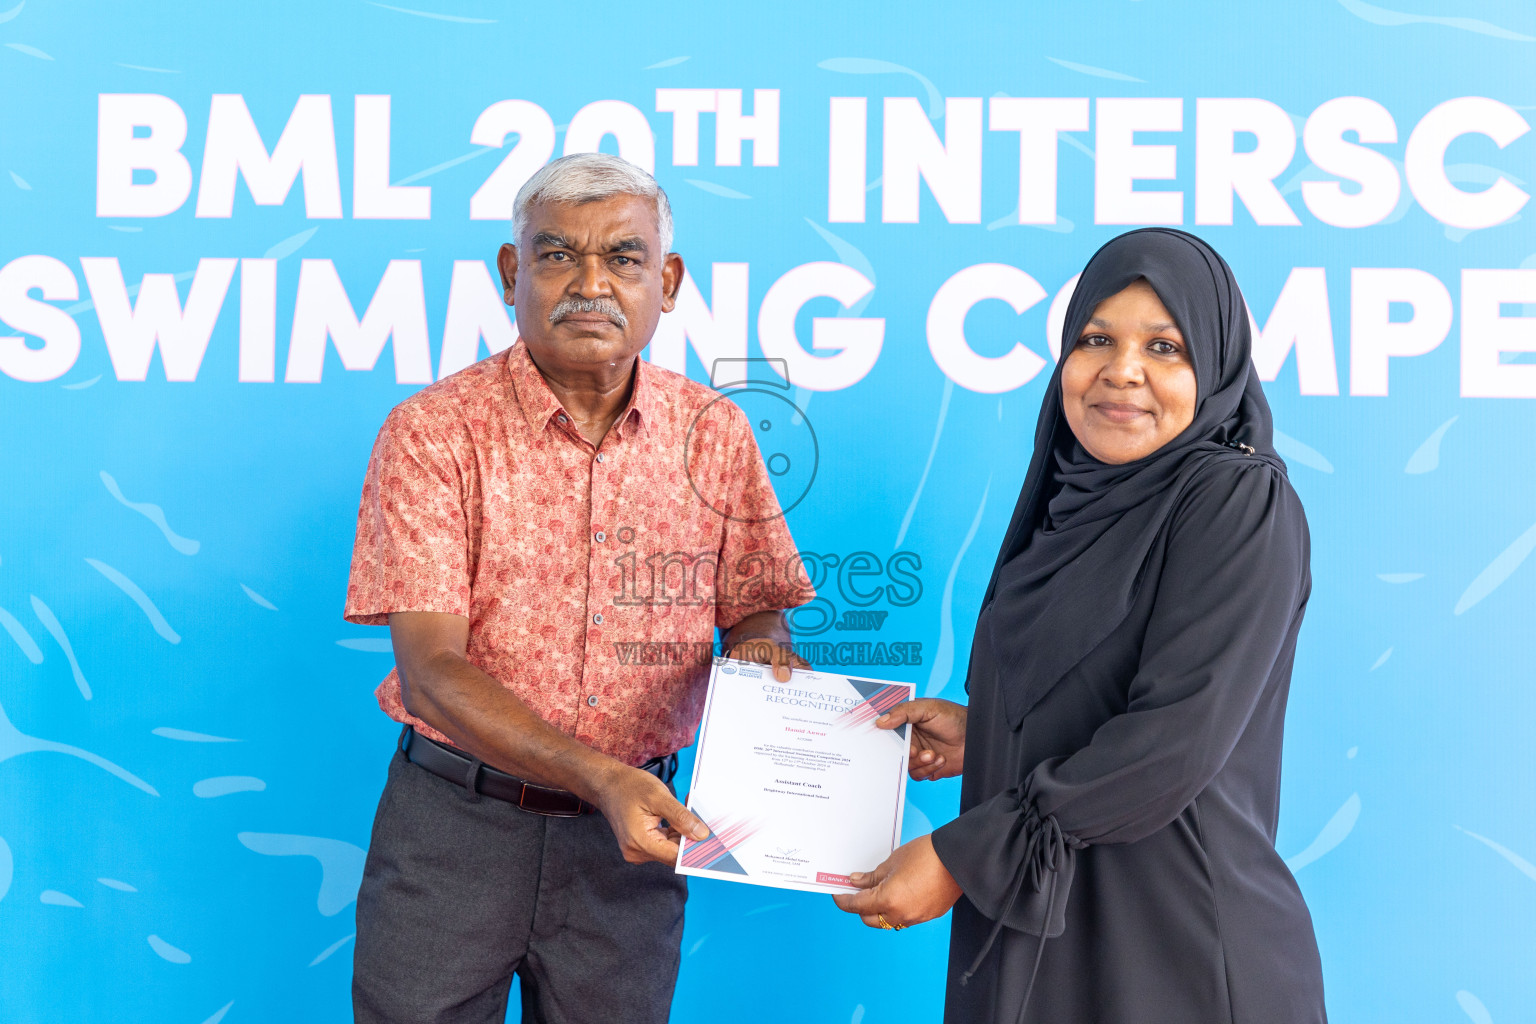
{"x":592,"y":277}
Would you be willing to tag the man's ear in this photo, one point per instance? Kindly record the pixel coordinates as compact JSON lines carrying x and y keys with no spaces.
{"x":671,"y":281}
{"x":506,"y":262}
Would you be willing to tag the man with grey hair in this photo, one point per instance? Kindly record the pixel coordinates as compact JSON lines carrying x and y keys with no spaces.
{"x":522,"y":525}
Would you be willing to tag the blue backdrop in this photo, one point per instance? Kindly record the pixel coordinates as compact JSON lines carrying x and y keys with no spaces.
{"x":190,"y":752}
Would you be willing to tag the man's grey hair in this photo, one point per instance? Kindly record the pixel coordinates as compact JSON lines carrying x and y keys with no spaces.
{"x":586,"y":178}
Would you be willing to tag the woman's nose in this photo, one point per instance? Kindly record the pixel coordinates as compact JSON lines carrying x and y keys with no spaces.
{"x":1124,"y":366}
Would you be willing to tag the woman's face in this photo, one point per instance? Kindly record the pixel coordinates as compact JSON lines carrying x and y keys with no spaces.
{"x":1128,"y":386}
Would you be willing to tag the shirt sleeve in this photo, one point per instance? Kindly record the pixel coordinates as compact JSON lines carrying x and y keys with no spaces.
{"x":759,"y":569}
{"x":1236,"y":572}
{"x":411,"y":549}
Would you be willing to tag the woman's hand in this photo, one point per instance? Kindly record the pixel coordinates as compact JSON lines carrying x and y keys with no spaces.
{"x":911,"y":887}
{"x":937,"y":735}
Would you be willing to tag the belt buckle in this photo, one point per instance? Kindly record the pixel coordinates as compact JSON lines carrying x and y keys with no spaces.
{"x":546,"y":810}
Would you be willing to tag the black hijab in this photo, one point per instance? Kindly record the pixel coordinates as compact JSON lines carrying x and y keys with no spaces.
{"x":1072,"y":559}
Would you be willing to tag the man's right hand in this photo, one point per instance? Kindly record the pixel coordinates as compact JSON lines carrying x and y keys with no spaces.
{"x":636,"y":803}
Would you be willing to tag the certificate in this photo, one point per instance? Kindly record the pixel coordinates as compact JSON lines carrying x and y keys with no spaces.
{"x":797,"y":785}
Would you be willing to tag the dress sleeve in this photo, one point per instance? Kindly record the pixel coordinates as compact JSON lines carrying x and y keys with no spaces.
{"x":1236,"y":570}
{"x":760,"y":568}
{"x":411,"y":552}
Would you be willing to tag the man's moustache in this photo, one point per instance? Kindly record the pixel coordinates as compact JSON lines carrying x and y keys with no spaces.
{"x":605,"y":307}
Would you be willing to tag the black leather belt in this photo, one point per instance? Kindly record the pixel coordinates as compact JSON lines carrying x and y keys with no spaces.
{"x":461,"y":769}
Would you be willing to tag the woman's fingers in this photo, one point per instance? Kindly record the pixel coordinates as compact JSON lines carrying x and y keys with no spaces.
{"x":869,"y":879}
{"x":862,"y":902}
{"x":870,"y":907}
{"x":919,"y":712}
{"x":869,"y":910}
{"x":929,"y":770}
{"x":913,"y":886}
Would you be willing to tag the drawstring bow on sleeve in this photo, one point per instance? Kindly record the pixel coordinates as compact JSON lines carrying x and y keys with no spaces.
{"x":1047,"y":853}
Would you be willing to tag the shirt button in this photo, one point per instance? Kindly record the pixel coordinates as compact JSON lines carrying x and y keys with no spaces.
{"x":601,"y":536}
{"x":601,"y":457}
{"x":598,"y":618}
{"x":592,"y":701}
{"x":562,"y":418}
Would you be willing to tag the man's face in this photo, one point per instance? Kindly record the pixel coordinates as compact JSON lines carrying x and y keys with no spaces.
{"x":589,"y":282}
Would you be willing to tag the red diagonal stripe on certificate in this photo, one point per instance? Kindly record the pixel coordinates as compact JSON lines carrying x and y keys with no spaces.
{"x":875,"y":705}
{"x":723,"y":838}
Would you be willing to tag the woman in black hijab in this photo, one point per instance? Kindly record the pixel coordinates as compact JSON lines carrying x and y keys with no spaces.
{"x":1128,"y":680}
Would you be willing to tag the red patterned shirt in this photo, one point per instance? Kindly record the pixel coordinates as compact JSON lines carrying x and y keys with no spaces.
{"x":593,"y":578}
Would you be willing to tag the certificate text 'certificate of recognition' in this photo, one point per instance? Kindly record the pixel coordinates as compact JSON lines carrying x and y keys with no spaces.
{"x":797,"y":785}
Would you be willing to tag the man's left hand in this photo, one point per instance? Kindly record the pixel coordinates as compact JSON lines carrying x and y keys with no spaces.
{"x":764,"y":651}
{"x":764,"y":640}
{"x":910,"y":887}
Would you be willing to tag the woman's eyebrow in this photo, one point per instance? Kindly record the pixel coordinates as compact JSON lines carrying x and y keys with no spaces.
{"x":1154,"y":327}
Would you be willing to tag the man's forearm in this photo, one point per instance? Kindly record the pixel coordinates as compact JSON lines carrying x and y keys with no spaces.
{"x":478,"y":714}
{"x":481,"y":716}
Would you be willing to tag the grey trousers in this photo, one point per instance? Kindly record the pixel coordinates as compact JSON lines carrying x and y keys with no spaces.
{"x":460,"y":892}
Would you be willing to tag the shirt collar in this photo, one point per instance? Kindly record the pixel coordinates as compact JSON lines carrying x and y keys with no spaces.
{"x":642,"y":401}
{"x":540,"y":405}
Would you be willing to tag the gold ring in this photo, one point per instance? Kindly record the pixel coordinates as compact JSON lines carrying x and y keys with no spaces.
{"x":886,"y":924}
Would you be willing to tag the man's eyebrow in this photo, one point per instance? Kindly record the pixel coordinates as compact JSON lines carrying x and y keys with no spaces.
{"x":549,"y":238}
{"x":631,"y":244}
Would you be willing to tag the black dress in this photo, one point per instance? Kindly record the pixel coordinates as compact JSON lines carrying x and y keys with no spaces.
{"x":1140,"y":792}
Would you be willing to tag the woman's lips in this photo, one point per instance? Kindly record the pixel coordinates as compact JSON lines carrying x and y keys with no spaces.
{"x":1119,"y":412}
